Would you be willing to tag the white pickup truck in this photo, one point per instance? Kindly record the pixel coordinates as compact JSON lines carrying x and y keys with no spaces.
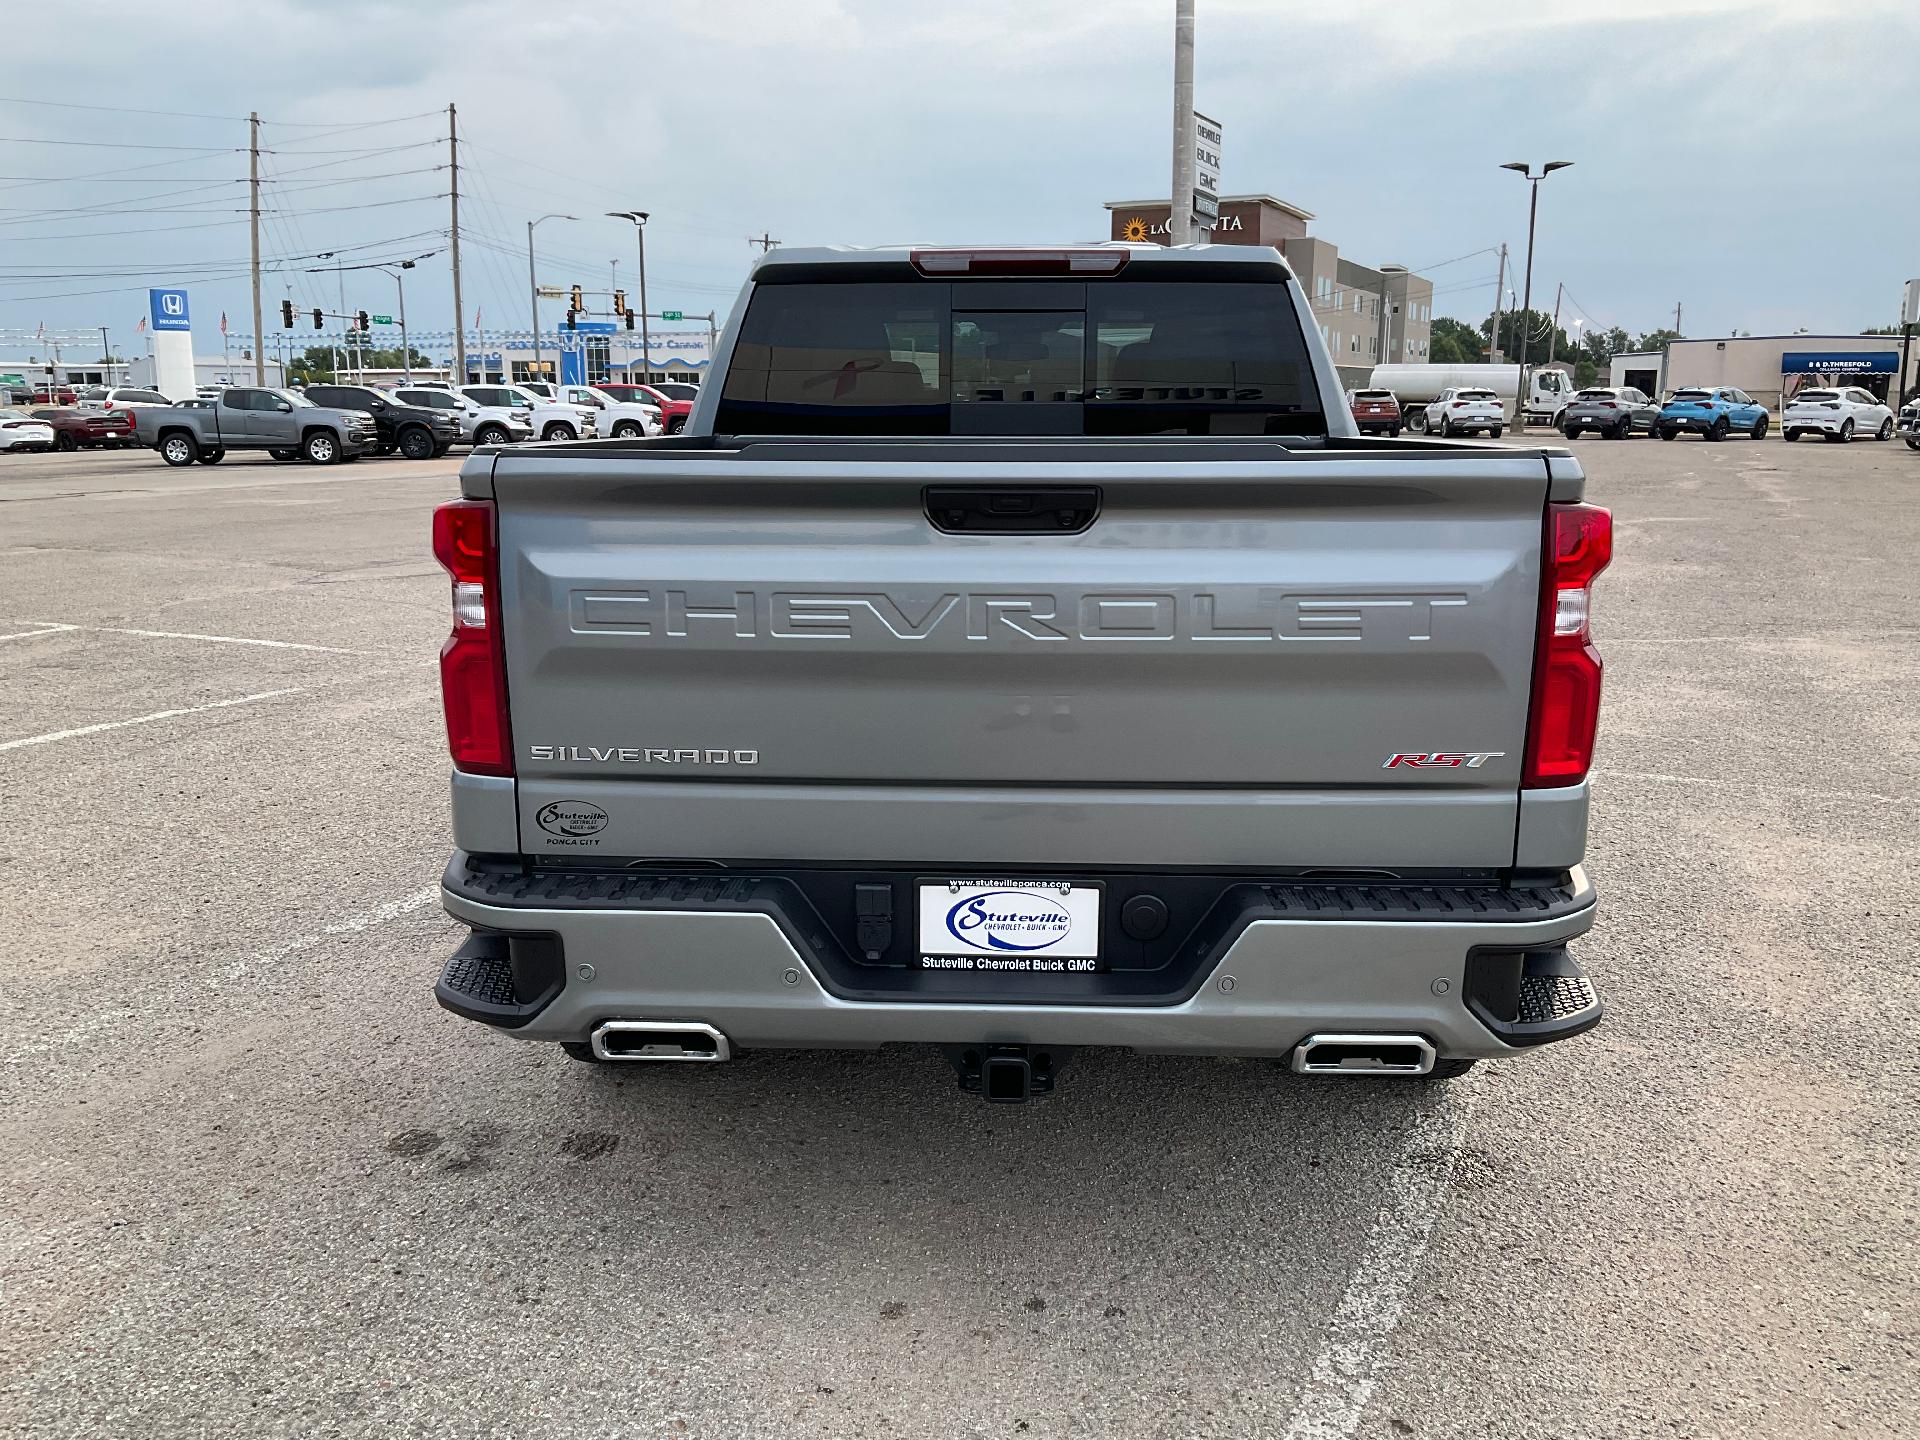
{"x":1020,"y":651}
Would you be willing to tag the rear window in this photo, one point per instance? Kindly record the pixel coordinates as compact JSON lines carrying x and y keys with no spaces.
{"x":1476,"y":395}
{"x":1818,"y":395}
{"x":1596,"y":395}
{"x":1373,"y":395}
{"x":1690,"y":395}
{"x":1115,"y":357}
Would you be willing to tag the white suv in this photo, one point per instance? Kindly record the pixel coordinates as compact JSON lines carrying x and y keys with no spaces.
{"x":1838,"y":413}
{"x":1462,"y":411}
{"x":550,"y":420}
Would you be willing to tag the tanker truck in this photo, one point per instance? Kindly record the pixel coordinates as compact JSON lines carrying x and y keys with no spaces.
{"x":1549,"y":388}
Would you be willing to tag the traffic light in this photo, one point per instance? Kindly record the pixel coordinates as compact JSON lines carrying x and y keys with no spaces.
{"x":578,"y":301}
{"x":319,"y":319}
{"x":286,"y":314}
{"x":629,"y":315}
{"x":360,"y":320}
{"x":572,"y":313}
{"x":619,"y":302}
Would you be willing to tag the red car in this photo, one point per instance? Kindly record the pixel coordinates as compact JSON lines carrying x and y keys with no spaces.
{"x":673,"y":413}
{"x":1376,"y":412}
{"x":75,"y":429}
{"x":54,"y":395}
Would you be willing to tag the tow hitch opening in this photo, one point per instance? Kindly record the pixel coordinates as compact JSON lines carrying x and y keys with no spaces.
{"x":1007,"y":1074}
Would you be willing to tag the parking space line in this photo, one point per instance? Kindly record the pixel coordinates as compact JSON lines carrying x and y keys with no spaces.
{"x":1344,"y":1373}
{"x":45,"y":629}
{"x":51,"y":736}
{"x":1764,"y":786}
{"x":365,"y":920}
{"x":188,"y":635}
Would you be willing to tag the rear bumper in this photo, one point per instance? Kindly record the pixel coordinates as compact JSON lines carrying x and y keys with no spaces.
{"x":744,"y":967}
{"x":1699,"y":424}
{"x":1829,"y":424}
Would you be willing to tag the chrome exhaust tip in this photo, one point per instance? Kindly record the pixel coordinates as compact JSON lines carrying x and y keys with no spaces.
{"x":1364,"y":1055}
{"x":670,"y":1041}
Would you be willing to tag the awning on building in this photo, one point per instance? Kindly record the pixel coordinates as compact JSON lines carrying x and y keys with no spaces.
{"x":1840,"y":362}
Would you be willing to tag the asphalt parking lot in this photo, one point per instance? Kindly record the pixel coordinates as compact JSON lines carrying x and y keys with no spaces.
{"x":259,"y":1184}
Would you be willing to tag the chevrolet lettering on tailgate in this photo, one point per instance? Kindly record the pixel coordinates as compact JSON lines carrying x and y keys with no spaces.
{"x":1241,"y":614}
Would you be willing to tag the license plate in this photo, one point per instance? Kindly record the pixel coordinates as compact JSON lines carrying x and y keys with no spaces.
{"x":1016,"y":927}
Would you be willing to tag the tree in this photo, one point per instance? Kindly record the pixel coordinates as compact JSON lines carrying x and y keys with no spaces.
{"x":1657,"y":339}
{"x":314,"y":365}
{"x":1883,"y":330}
{"x":1542,"y":338}
{"x":1455,"y":342}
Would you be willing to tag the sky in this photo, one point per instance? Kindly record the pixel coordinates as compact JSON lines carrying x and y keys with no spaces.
{"x":1753,"y":160}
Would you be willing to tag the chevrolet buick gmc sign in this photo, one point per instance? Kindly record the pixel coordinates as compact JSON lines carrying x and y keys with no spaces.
{"x":167,"y":310}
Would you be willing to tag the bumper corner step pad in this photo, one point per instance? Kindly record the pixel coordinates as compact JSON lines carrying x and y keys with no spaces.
{"x":1531,"y":997}
{"x":500,"y":979}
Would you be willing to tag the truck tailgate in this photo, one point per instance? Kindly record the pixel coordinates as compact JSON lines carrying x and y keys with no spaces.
{"x":717,"y":657}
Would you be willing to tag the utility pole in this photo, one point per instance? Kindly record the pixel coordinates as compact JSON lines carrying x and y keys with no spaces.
{"x":253,"y":215}
{"x":1553,"y":335}
{"x":713,"y":341}
{"x":1494,"y":352}
{"x":459,"y":313}
{"x":765,"y":241}
{"x":1676,"y":318}
{"x":1180,"y":217}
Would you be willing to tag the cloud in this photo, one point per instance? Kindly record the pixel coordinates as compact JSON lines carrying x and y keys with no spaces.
{"x":1750,"y":157}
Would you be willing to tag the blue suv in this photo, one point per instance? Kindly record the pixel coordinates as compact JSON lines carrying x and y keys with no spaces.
{"x":1714,"y":413}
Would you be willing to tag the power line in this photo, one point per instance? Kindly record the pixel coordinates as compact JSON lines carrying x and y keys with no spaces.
{"x":115,"y":145}
{"x":116,"y":109}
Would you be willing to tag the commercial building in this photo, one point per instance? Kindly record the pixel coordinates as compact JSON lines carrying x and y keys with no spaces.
{"x":1367,"y":316}
{"x":1771,"y":368}
{"x":209,"y":372}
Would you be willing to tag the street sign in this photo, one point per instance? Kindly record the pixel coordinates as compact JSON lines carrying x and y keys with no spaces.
{"x":1910,"y":312}
{"x":673,"y":314}
{"x":383,"y":319}
{"x":550,"y":292}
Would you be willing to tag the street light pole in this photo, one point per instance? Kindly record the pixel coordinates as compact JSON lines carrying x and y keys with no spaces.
{"x":399,"y":282}
{"x":639,"y":219}
{"x":533,"y":287}
{"x":1526,"y":302}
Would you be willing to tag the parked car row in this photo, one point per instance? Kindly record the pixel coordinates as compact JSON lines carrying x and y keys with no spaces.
{"x":1718,"y":411}
{"x":1840,"y":413}
{"x":324,"y":423}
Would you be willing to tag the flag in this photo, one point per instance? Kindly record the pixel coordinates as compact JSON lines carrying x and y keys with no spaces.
{"x":223,"y":322}
{"x":141,"y":327}
{"x":42,"y":331}
{"x":476,"y":317}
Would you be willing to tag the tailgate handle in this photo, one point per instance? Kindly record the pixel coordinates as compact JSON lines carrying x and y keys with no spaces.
{"x":1012,"y":510}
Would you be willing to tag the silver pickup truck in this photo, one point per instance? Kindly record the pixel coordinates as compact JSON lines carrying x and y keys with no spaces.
{"x":282,"y":422}
{"x":1019,"y":651}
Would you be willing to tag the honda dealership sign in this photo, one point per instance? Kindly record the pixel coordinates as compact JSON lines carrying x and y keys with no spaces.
{"x":172,"y":322}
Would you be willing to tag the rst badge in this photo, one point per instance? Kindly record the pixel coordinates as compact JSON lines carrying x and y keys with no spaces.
{"x":1442,"y":760}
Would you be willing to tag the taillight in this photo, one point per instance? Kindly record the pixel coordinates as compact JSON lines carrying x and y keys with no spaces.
{"x":473,"y":666}
{"x":1566,"y":667}
{"x":1608,"y":405}
{"x":1019,"y":262}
